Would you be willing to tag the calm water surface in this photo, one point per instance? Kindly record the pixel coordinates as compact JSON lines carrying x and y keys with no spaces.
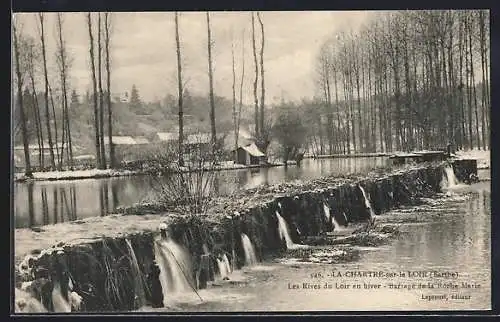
{"x":447,"y":234}
{"x":48,"y":202}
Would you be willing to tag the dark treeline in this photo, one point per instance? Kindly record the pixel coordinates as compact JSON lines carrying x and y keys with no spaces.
{"x":406,"y":80}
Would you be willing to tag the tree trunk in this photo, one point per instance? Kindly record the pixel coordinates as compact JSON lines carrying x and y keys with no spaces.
{"x":112,"y":161}
{"x":211,"y":89}
{"x":263,"y":135}
{"x":241,"y":86}
{"x":36,"y":113}
{"x":66,"y":119}
{"x":180,"y":91}
{"x":46,"y":93}
{"x":101,"y":101}
{"x":235,"y":117}
{"x":483,"y":68}
{"x":256,"y":100}
{"x":55,"y":119}
{"x":94,"y":85}
{"x":22,"y":115}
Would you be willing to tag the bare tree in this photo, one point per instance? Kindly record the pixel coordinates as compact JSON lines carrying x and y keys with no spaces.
{"x":46,"y":92}
{"x":235,"y":117}
{"x":94,"y":85}
{"x":32,"y":56}
{"x":180,"y":90}
{"x":107,"y":40}
{"x":211,"y":85}
{"x":263,"y":135}
{"x":101,"y":98}
{"x":63,"y":69}
{"x":256,"y":100}
{"x":19,"y":82}
{"x":238,"y":118}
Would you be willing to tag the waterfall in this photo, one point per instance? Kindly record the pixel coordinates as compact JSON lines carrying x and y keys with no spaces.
{"x":250,"y":258}
{"x":140,"y":295}
{"x":449,"y":179}
{"x":336,"y":226}
{"x":284,"y":233}
{"x":367,"y":202}
{"x":326,"y":209}
{"x":226,"y":263}
{"x":331,"y":218}
{"x":61,"y":305}
{"x":224,"y":266}
{"x":175,"y":267}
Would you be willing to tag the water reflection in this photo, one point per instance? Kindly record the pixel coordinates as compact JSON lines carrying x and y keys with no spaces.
{"x":43,"y":203}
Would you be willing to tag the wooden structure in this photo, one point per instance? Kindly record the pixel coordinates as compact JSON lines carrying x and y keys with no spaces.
{"x":417,"y":157}
{"x":249,"y":155}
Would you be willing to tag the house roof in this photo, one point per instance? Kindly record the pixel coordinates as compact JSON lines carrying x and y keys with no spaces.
{"x":141,"y":140}
{"x":198,"y":138}
{"x":45,"y":146}
{"x":121,"y":140}
{"x":253,"y":150}
{"x":166,"y":136}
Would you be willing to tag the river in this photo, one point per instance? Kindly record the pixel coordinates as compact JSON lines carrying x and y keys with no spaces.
{"x":449,"y":234}
{"x":48,"y":202}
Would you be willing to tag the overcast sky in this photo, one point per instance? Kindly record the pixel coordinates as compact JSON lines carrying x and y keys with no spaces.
{"x":143,"y":50}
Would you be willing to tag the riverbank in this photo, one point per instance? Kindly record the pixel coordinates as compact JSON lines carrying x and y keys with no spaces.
{"x":351,"y":155}
{"x":109,"y":173}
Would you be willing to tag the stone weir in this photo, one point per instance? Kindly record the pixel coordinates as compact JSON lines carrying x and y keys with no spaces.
{"x":121,"y":272}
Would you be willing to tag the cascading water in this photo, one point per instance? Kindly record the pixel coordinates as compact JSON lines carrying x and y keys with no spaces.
{"x":449,"y":179}
{"x":140,"y":295}
{"x":250,"y":258}
{"x":367,"y":203}
{"x":326,"y":210}
{"x":329,"y":217}
{"x":224,"y":266}
{"x":284,"y":233}
{"x":175,"y":268}
{"x":61,"y":305}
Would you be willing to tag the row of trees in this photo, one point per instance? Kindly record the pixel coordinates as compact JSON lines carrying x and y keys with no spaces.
{"x":103,"y":53}
{"x":406,"y":80}
{"x":39,"y":118}
{"x":260,"y":133}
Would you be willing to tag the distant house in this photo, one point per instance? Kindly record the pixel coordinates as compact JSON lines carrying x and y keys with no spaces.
{"x":34,"y":151}
{"x":250,"y":155}
{"x":120,"y":140}
{"x":126,"y":148}
{"x":166,"y":136}
{"x":141,"y":140}
{"x":197,"y":142}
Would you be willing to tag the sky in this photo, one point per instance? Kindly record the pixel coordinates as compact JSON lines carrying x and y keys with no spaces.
{"x":143,"y":50}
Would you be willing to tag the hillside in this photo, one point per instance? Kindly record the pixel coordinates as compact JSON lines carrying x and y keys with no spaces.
{"x":133,"y":119}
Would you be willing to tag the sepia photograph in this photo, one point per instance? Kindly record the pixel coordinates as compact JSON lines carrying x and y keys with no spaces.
{"x":250,"y":161}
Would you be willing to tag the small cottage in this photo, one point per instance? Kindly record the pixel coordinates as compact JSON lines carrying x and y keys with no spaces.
{"x":250,"y":155}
